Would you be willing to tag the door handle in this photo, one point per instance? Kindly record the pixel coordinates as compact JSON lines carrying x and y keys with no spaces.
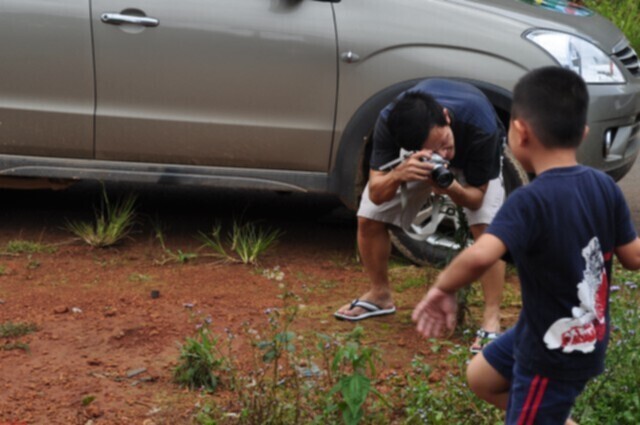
{"x":118,"y":19}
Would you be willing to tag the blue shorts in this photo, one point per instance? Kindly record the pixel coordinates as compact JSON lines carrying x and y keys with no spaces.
{"x":533,"y":399}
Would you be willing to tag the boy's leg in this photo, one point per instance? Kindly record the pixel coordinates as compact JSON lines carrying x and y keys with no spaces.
{"x":536,"y":399}
{"x":489,"y":372}
{"x":487,"y":383}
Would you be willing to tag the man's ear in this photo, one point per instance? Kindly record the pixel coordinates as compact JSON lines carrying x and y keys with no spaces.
{"x":445,"y":112}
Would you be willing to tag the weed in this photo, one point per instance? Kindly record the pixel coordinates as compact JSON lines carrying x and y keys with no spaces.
{"x":3,"y":270}
{"x":87,"y":400}
{"x":248,"y":240}
{"x":201,"y":361}
{"x":28,"y":247}
{"x":14,"y":330}
{"x":113,"y":222}
{"x":139,"y":277}
{"x":15,"y":346}
{"x":178,"y":256}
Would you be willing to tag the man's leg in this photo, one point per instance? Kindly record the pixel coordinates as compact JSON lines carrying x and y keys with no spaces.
{"x":374,"y":245}
{"x":492,"y":287}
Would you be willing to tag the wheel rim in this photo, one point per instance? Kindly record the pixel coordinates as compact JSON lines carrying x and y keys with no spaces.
{"x":435,"y":223}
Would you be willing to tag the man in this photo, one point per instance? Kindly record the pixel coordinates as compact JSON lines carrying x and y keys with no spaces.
{"x":456,"y":121}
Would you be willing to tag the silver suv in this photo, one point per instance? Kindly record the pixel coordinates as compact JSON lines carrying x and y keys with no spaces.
{"x":276,"y":94}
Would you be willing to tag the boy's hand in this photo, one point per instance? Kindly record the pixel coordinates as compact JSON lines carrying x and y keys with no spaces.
{"x":437,"y":311}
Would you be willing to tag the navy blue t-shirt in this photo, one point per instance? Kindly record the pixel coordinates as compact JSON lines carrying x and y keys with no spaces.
{"x":476,"y":130}
{"x":561,"y":231}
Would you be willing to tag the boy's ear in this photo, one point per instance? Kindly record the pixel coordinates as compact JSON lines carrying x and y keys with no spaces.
{"x":585,"y":133}
{"x":523,"y":130}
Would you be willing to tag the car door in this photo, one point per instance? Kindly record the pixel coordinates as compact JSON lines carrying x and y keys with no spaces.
{"x":46,"y":79}
{"x":248,"y":83}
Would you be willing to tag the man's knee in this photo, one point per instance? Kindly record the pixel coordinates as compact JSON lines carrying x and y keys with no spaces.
{"x":370,"y":228}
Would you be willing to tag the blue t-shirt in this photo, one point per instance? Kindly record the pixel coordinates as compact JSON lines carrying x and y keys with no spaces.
{"x":561,"y":230}
{"x":477,"y":133}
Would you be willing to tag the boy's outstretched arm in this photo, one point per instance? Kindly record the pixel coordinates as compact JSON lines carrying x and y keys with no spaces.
{"x":437,"y":310}
{"x":629,"y":254}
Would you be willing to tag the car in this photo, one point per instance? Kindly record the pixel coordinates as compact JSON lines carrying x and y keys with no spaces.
{"x":280,"y":95}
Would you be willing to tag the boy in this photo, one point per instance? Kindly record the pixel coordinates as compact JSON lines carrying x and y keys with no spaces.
{"x":561,"y":231}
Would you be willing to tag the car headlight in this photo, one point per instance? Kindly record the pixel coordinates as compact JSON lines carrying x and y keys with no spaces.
{"x":579,"y":55}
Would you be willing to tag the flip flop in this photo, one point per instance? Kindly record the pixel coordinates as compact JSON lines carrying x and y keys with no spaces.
{"x":482,"y":339}
{"x":372,"y":310}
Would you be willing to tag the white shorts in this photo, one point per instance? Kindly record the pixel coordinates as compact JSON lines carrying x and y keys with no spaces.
{"x":416,"y":196}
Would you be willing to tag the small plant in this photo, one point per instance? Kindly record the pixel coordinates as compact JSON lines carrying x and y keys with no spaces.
{"x":351,"y":363}
{"x":178,"y":256}
{"x":14,"y":330}
{"x":28,"y":247}
{"x":15,"y":346}
{"x":139,"y":277}
{"x":113,"y":222}
{"x":200,"y":361}
{"x":87,"y":400}
{"x":248,"y":240}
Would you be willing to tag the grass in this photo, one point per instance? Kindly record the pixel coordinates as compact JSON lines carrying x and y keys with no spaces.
{"x":625,"y":14}
{"x":113,"y":222}
{"x":28,"y":247}
{"x":14,"y":330}
{"x":10,"y":330}
{"x":246,"y":242}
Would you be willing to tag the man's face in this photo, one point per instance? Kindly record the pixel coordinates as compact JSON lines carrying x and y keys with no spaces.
{"x":441,"y":141}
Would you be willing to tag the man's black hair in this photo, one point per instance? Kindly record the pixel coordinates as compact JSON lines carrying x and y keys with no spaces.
{"x":554,"y":101}
{"x":412,"y":118}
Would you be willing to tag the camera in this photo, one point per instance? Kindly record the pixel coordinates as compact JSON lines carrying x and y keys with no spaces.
{"x":440,"y":174}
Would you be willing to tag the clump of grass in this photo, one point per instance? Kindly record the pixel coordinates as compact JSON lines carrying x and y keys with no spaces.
{"x":248,"y":240}
{"x":113,"y":222}
{"x":19,"y":246}
{"x":14,"y":330}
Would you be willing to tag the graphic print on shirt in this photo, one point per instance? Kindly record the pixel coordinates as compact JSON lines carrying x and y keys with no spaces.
{"x":580,"y":332}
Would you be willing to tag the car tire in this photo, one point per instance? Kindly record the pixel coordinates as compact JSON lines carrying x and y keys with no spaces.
{"x":431,"y":240}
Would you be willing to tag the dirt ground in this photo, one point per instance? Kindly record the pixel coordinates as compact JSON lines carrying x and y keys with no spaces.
{"x":102,"y":336}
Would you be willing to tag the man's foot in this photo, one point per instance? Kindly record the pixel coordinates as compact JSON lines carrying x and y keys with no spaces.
{"x":365,"y":307}
{"x":483,"y":338}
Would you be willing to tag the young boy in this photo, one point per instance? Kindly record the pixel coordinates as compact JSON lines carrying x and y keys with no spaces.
{"x":561,"y":231}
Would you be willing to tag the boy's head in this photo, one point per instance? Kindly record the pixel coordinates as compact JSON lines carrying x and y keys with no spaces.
{"x":412,"y":119}
{"x":553,"y":102}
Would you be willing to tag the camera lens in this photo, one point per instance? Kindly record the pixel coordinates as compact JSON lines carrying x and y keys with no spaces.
{"x":442,"y":177}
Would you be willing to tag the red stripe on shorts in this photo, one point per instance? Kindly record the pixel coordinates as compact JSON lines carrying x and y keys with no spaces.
{"x":534,"y":398}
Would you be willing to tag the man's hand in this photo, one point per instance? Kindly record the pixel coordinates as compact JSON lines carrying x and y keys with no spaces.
{"x":436,"y":312}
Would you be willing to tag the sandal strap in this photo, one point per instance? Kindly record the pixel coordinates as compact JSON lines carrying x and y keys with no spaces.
{"x":481,"y":333}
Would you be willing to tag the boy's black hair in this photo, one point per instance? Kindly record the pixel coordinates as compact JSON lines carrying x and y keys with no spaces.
{"x":554,"y":101}
{"x":412,"y":118}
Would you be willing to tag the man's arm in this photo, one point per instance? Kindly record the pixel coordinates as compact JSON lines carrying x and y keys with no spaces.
{"x":629,"y":254}
{"x":383,"y":185}
{"x":437,"y":310}
{"x":466,"y":196}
